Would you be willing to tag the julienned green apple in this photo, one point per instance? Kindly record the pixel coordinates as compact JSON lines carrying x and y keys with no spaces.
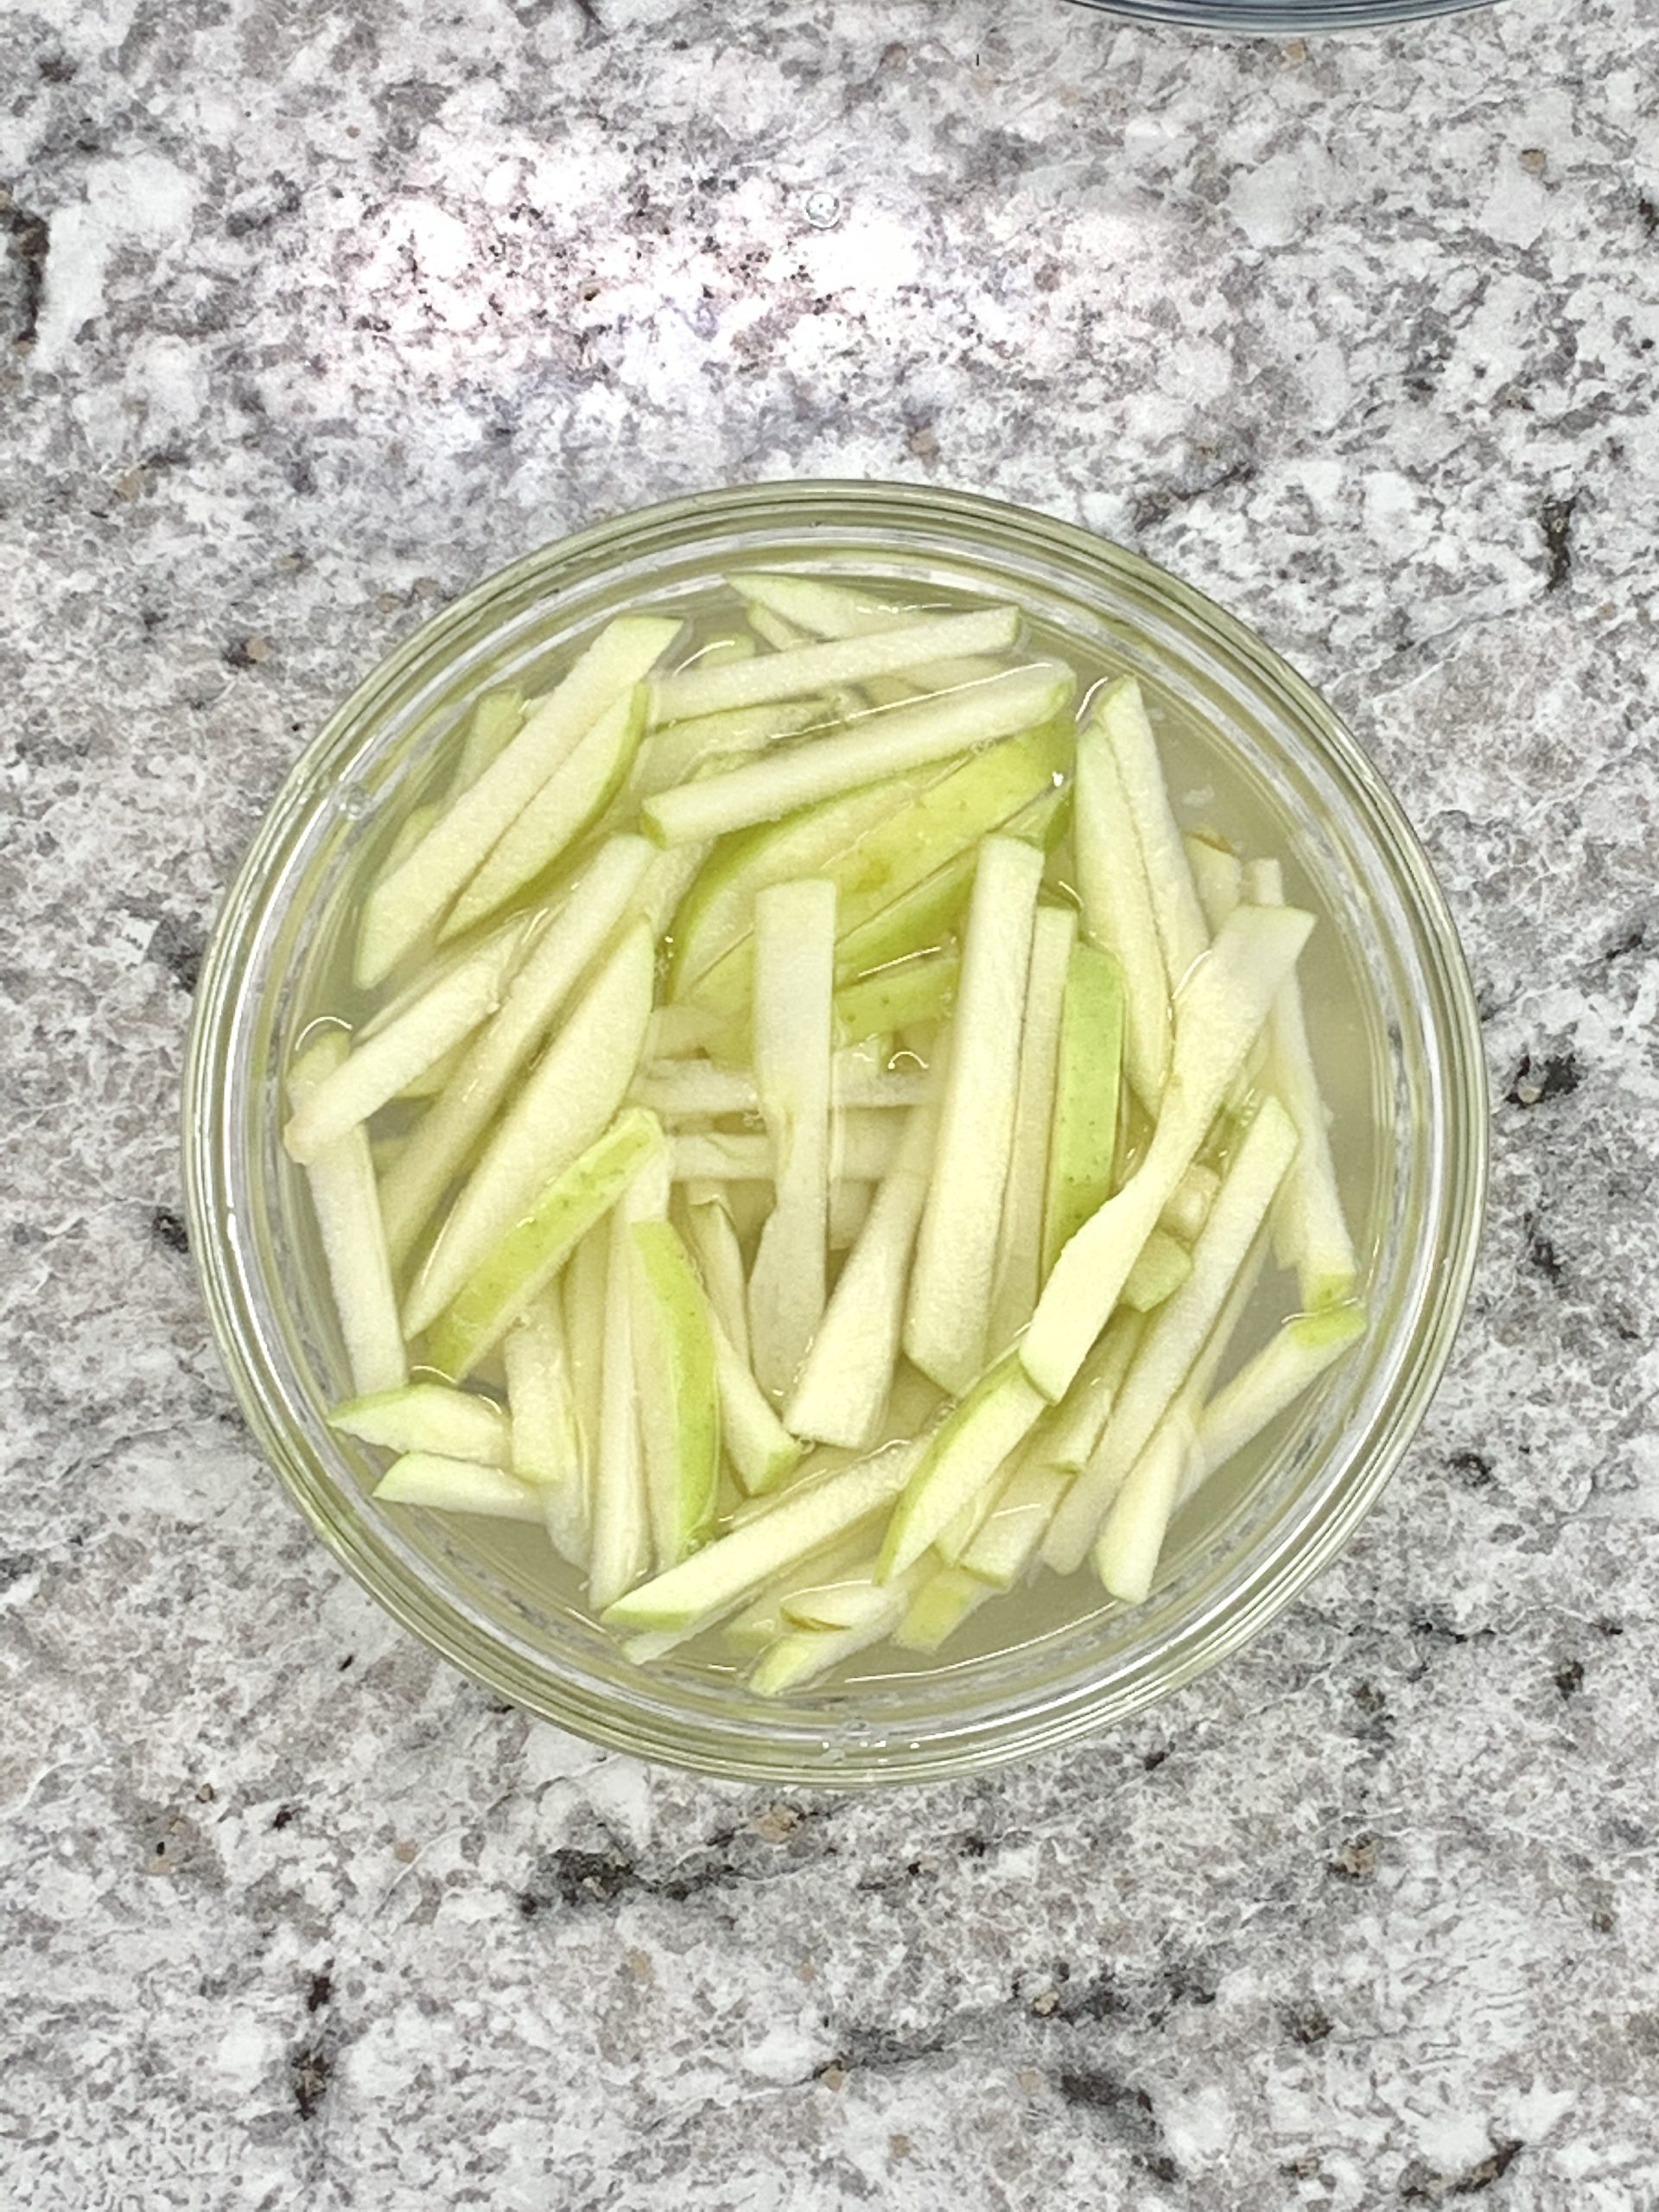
{"x":918,"y":989}
{"x":570,"y":799}
{"x":529,"y":1256}
{"x":794,"y":980}
{"x":887,"y":882}
{"x":378,"y":1068}
{"x":1088,"y":1075}
{"x":947,"y":1318}
{"x":1222,"y":1009}
{"x":550,"y":970}
{"x":679,"y":1396}
{"x":791,"y":673}
{"x":939,"y":1608}
{"x":1178,"y":1332}
{"x":798,"y":1523}
{"x":1161,"y":1268}
{"x":497,"y":719}
{"x":761,"y":1450}
{"x":459,"y":1486}
{"x":565,"y":1104}
{"x":1018,"y":1274}
{"x":685,"y":750}
{"x":429,"y":1417}
{"x":841,"y":1392}
{"x":1310,"y":1229}
{"x":824,"y":610}
{"x":899,"y":739}
{"x":802,"y":1655}
{"x":1286,"y":1366}
{"x":921,"y":919}
{"x":347,"y":1207}
{"x":1120,"y":712}
{"x":1117,"y":910}
{"x":417,"y":895}
{"x":963,"y":1455}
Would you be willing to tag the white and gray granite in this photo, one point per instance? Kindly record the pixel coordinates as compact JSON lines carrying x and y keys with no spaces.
{"x":312,"y":315}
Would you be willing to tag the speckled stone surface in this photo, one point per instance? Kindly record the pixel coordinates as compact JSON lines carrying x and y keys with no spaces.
{"x":311,"y":315}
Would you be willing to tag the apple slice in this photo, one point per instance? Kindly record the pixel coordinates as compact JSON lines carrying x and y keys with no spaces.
{"x":940,"y":816}
{"x":1087,"y":1081}
{"x":695,"y":1087}
{"x":571,"y":797}
{"x":679,"y":1396}
{"x":761,"y":1450}
{"x":534,"y":1249}
{"x":718,"y":910}
{"x":948,"y":1317}
{"x":1131,"y":1538}
{"x":547,"y":1449}
{"x":440,"y":1145}
{"x":802,"y":1655}
{"x":761,"y":1620}
{"x":496,"y":721}
{"x":345,"y":1204}
{"x":805,"y":1517}
{"x":581,"y":1295}
{"x":411,"y":831}
{"x":960,"y":1457}
{"x":846,"y":1377}
{"x":794,"y":979}
{"x":385,"y":1063}
{"x":438,"y":1076}
{"x":849,"y":1209}
{"x":919,"y":989}
{"x":1121,"y":712}
{"x":1126,"y":1553}
{"x":863,"y":1143}
{"x":1011,"y":1534}
{"x":1177,"y":1334}
{"x":850,"y":1598}
{"x":1018,"y":1274}
{"x":1221,"y":1012}
{"x":706,"y":1222}
{"x":378,"y":1068}
{"x":791,"y":673}
{"x":1065,"y":1437}
{"x":429,"y":1417}
{"x":685,"y":750}
{"x":1117,"y":910}
{"x":939,"y":1608}
{"x":621,"y":1554}
{"x":1161,"y":1268}
{"x":878,"y":746}
{"x":569,"y":1099}
{"x":919,"y":920}
{"x":446,"y":1485}
{"x":419,"y":893}
{"x":1268,"y":1385}
{"x":835,"y":610}
{"x":1218,"y":879}
{"x":1190,"y":1203}
{"x":1310,"y":1231}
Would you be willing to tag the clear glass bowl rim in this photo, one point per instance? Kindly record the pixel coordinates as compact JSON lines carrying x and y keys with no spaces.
{"x":229,"y":1270}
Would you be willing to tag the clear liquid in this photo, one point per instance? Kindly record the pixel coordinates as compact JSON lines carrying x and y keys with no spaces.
{"x":1213,"y":792}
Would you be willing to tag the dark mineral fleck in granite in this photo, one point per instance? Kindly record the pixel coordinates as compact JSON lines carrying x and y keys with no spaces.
{"x":311,"y":315}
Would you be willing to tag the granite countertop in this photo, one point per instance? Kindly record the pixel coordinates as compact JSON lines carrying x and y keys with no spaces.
{"x":311,"y":316}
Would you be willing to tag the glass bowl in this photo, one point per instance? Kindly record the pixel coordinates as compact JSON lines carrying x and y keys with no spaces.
{"x":1406,"y":1044}
{"x":1284,"y":17}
